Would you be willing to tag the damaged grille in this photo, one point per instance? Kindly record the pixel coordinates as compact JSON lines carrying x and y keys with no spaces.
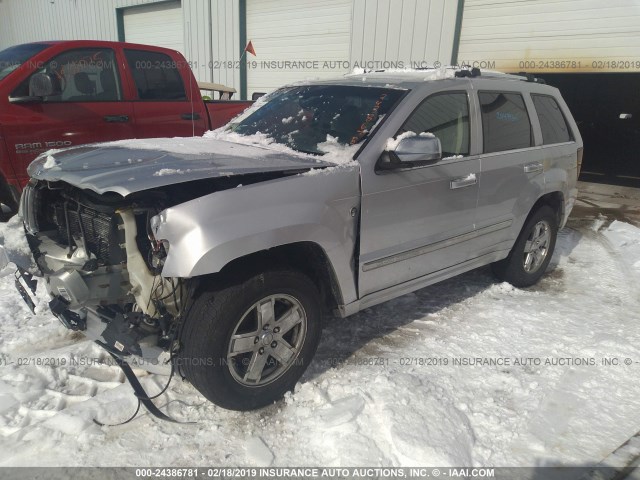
{"x":70,"y":223}
{"x":99,"y":230}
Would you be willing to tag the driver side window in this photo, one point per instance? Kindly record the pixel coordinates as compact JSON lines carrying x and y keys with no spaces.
{"x":83,"y":75}
{"x":446,"y":115}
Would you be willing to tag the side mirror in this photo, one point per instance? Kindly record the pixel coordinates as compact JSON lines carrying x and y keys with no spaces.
{"x":44,"y":85}
{"x":40,"y":85}
{"x":412,"y":152}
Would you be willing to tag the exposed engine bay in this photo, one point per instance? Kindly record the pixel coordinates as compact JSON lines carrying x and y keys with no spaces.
{"x":103,"y":267}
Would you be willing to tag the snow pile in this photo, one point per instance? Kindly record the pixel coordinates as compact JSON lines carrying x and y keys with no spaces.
{"x":383,"y":389}
{"x":440,"y":73}
{"x":50,"y":163}
{"x":337,"y":153}
{"x":393,"y":143}
{"x":625,"y":239}
{"x":169,"y":171}
{"x":15,"y":245}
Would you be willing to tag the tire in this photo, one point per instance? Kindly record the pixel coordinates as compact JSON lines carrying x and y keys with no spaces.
{"x":8,"y":198}
{"x":266,"y":357}
{"x":528,"y":261}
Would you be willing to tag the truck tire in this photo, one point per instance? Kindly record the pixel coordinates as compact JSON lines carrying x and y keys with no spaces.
{"x":7,"y":197}
{"x":244,"y":346}
{"x":532,"y":251}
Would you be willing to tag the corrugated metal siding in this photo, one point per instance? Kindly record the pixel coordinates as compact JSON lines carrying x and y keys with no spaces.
{"x":161,"y":25}
{"x":403,"y":31}
{"x":296,"y":31}
{"x":226,"y":43}
{"x":96,"y":20}
{"x":552,"y":35}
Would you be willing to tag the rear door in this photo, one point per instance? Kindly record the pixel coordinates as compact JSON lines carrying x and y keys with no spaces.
{"x":512,"y":176}
{"x":90,"y":108}
{"x":168,"y":102}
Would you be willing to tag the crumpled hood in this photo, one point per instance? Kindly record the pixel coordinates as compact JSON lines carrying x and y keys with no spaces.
{"x":130,"y":166}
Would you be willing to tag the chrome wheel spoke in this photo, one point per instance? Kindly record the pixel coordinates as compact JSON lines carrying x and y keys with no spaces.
{"x":266,"y":313}
{"x":242,"y":343}
{"x":289,"y":320}
{"x":528,"y":261}
{"x":528,"y":246}
{"x":256,"y":367}
{"x":283,"y":352}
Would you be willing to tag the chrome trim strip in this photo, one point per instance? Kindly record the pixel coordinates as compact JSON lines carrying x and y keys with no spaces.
{"x":399,"y":257}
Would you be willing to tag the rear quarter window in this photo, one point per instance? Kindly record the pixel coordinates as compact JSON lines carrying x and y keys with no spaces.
{"x":505,"y":121}
{"x":552,"y":122}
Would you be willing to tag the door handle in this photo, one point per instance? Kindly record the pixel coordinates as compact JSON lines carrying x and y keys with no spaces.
{"x":116,"y":118}
{"x":462,"y":182}
{"x":190,"y":116}
{"x":533,"y":167}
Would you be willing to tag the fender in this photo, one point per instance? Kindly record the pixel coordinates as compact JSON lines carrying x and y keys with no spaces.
{"x":563,"y":178}
{"x":207,"y":233}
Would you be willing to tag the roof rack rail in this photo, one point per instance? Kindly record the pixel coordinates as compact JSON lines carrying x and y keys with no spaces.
{"x":522,"y":76}
{"x":531,"y":78}
{"x":462,"y":73}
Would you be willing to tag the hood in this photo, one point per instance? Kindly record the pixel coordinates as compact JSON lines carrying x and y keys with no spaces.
{"x":131,"y":166}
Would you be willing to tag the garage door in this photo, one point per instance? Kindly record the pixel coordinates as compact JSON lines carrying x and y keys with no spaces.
{"x":551,"y":36}
{"x":161,"y":25}
{"x":298,"y":31}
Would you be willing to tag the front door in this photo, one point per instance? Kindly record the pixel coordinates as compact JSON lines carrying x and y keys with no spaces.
{"x":419,"y":221}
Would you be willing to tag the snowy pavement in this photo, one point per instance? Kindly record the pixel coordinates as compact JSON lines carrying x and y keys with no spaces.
{"x":390,"y":386}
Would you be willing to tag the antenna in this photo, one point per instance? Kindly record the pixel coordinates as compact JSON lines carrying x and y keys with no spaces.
{"x":191,"y":79}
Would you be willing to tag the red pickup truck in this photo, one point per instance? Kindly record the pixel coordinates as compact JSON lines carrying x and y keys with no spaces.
{"x":60,"y":94}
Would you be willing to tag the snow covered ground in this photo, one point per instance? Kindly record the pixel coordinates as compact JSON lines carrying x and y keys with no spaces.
{"x":368,"y":399}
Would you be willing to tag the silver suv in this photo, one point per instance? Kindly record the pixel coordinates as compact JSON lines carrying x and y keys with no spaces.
{"x":219,"y":256}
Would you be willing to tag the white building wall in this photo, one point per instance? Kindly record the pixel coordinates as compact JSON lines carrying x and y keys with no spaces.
{"x":313,"y":33}
{"x":551,"y":35}
{"x":420,"y":31}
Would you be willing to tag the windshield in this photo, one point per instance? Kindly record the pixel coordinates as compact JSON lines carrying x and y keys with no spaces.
{"x":302,"y":117}
{"x":13,"y":57}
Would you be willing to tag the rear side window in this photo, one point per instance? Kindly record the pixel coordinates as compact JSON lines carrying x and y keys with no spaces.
{"x":505,"y":121}
{"x":552,"y":122}
{"x":156,"y":76}
{"x":446,"y":115}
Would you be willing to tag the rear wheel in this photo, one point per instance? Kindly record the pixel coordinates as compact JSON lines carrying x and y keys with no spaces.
{"x":245,"y":345}
{"x":532,"y":252}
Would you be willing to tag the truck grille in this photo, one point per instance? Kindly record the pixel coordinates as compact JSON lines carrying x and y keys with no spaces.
{"x":43,"y":213}
{"x":100,"y":231}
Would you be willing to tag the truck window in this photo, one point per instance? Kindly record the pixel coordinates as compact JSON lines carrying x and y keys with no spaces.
{"x":156,"y":76}
{"x":446,"y":115}
{"x":13,"y":57}
{"x":505,"y":121}
{"x":85,"y":75}
{"x":552,"y":122}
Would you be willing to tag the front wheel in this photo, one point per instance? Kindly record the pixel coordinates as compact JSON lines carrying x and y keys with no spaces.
{"x":532,"y":251}
{"x":245,"y":345}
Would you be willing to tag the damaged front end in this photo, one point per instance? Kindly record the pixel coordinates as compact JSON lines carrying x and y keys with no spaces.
{"x":101,"y":265}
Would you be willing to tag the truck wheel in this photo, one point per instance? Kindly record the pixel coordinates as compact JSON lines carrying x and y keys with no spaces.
{"x":532,"y":251}
{"x":245,"y":345}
